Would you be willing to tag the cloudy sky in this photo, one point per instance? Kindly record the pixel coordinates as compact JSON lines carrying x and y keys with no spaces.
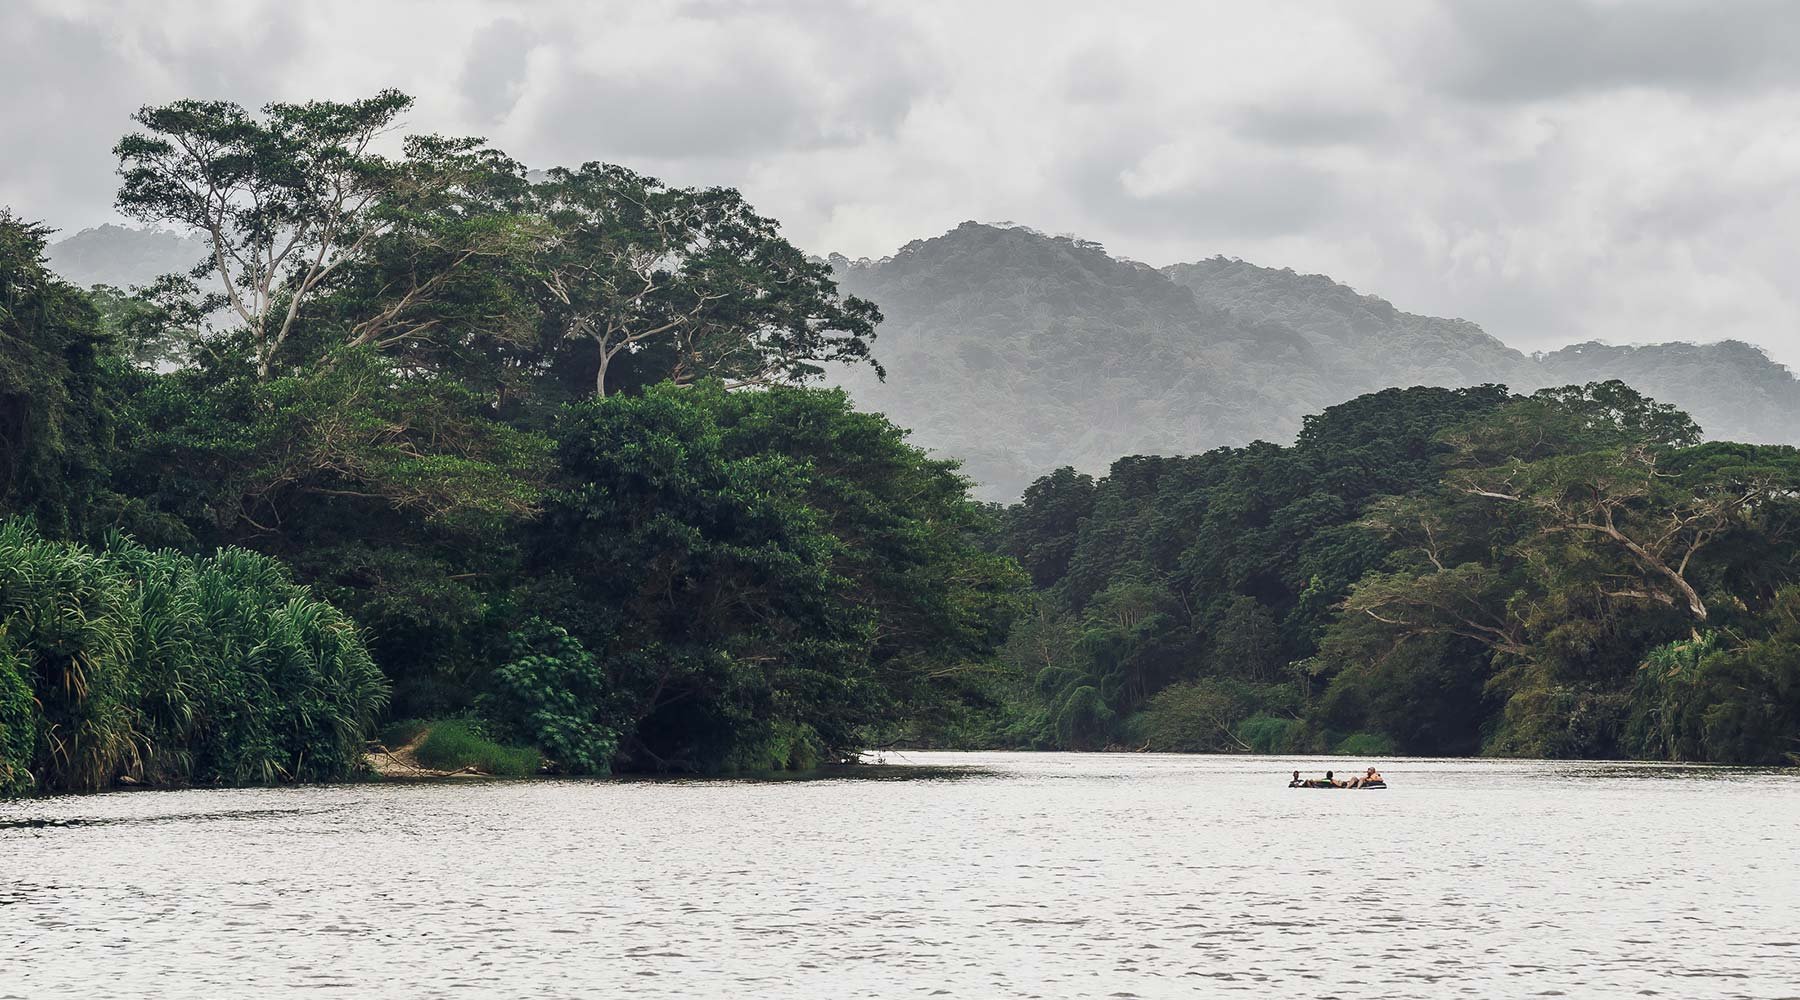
{"x":1556,"y":170}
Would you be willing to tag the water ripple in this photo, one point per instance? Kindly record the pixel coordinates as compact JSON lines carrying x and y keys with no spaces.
{"x":1021,"y":876}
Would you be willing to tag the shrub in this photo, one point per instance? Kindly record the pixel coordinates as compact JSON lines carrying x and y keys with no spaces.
{"x":785,"y":746}
{"x":1366,"y":745}
{"x":553,"y":694}
{"x":1695,"y":700}
{"x":455,"y":744}
{"x":1267,"y":734}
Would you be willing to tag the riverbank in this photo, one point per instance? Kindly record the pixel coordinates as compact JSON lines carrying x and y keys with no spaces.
{"x":402,"y":762}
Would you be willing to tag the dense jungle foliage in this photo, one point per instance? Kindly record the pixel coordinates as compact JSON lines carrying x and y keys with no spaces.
{"x":429,"y":437}
{"x":539,"y":436}
{"x":1426,"y":571}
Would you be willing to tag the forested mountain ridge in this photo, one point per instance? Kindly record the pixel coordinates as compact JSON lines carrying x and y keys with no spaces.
{"x":1364,"y":338}
{"x":1019,"y":352}
{"x":122,"y":256}
{"x":1730,"y":388}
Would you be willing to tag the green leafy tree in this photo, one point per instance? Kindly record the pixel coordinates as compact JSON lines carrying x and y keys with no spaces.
{"x":297,"y":206}
{"x":1622,"y":496}
{"x":691,"y":280}
{"x":57,"y":393}
{"x":1042,"y":529}
{"x":781,"y":573}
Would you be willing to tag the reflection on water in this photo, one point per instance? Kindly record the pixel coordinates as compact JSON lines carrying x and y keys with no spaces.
{"x":1050,"y":875}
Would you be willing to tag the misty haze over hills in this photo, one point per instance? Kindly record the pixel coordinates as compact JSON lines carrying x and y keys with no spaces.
{"x":1018,"y":352}
{"x":122,"y":256}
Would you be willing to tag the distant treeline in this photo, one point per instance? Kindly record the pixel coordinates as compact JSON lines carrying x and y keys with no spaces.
{"x":1426,"y":571}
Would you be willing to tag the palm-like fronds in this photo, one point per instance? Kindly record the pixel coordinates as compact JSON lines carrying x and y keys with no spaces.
{"x":169,"y":668}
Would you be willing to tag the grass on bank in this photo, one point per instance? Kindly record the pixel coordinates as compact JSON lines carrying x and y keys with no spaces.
{"x":455,"y":744}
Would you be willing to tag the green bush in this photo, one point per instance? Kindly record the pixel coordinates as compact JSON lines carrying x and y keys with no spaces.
{"x":18,"y":721}
{"x":1267,"y":734}
{"x":455,"y":744}
{"x":1366,"y":745}
{"x":785,"y":746}
{"x":1696,"y":700}
{"x":553,"y":694}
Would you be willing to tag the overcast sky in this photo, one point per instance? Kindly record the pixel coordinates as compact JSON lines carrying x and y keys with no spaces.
{"x":1556,"y":170}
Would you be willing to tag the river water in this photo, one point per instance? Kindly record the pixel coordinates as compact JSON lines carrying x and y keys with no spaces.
{"x":1013,"y":875}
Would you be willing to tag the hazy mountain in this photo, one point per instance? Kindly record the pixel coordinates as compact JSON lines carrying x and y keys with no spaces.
{"x":1019,"y":352}
{"x":123,"y":257}
{"x":1730,"y":388}
{"x":1366,"y":343}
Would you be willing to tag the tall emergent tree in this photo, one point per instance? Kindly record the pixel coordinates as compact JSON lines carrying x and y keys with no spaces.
{"x":288,"y":200}
{"x":692,"y":277}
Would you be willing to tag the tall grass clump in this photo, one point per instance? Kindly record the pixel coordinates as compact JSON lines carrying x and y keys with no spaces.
{"x":455,"y":744}
{"x":167,"y":668}
{"x":18,"y":721}
{"x":68,"y":618}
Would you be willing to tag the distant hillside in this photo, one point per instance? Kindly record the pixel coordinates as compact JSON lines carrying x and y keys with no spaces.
{"x":1730,"y":388}
{"x":123,"y":257}
{"x":1019,"y":352}
{"x":1367,"y":343}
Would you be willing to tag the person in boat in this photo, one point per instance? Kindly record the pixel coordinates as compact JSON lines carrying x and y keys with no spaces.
{"x":1369,"y":778}
{"x":1331,"y":781}
{"x":1296,"y":783}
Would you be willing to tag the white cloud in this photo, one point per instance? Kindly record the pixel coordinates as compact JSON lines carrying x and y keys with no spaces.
{"x":1554,"y":171}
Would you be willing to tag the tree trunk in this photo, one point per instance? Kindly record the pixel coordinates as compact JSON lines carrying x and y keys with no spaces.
{"x":600,"y":375}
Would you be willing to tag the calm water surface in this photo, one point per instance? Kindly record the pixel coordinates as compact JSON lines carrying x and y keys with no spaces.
{"x":1048,"y":875}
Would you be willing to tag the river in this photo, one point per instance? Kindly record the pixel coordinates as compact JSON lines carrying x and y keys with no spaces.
{"x":1008,"y":875}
